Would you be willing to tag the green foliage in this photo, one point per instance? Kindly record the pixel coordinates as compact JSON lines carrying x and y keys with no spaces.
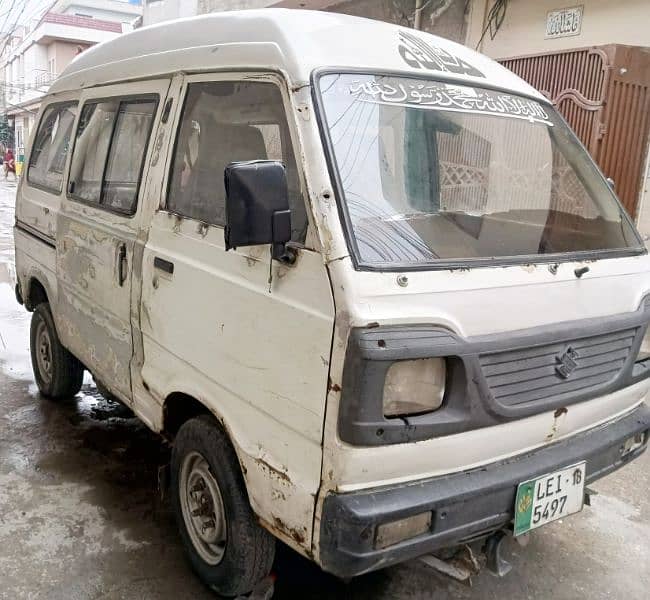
{"x":6,"y":133}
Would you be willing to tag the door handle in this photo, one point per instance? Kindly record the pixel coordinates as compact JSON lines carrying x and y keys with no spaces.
{"x":121,"y":265}
{"x":164,"y":265}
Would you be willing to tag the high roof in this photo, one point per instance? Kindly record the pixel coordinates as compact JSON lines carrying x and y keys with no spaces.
{"x":293,"y":41}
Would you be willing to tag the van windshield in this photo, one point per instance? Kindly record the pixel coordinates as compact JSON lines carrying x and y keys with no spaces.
{"x":431,"y":172}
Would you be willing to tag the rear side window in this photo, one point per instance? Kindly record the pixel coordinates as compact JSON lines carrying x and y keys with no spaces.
{"x":91,"y":149}
{"x":109,"y":151}
{"x":127,"y":153}
{"x":50,"y":149}
{"x":224,"y":122}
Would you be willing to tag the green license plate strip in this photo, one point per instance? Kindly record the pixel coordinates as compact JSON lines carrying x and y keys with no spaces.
{"x":548,"y":498}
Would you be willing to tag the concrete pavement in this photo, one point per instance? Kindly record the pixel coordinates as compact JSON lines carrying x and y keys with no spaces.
{"x":80,"y":515}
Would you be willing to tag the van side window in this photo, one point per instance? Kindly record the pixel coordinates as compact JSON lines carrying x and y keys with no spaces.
{"x":50,"y":150}
{"x":109,"y":152}
{"x":128,"y":149}
{"x":226,"y":122}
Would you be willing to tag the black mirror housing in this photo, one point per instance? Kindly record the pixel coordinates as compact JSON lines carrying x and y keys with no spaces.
{"x":257,"y":205}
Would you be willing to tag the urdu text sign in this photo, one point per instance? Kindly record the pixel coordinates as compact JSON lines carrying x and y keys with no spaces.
{"x":564,"y":22}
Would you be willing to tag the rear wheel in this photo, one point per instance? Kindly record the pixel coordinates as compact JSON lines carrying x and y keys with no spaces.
{"x":58,"y":374}
{"x":226,"y":546}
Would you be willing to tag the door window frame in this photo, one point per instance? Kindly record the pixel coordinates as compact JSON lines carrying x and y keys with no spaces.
{"x":56,"y":104}
{"x":119,"y":98}
{"x":273,"y":77}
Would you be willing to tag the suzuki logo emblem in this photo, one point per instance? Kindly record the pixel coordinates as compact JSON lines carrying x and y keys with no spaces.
{"x":566,"y":362}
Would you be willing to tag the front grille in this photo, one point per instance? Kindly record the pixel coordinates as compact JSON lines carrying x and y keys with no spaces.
{"x":517,"y":377}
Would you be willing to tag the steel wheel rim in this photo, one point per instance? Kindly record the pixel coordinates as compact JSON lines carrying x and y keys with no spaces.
{"x":44,"y":352}
{"x":202,"y":507}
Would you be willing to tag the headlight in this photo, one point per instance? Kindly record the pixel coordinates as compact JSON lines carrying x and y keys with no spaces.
{"x":644,"y":351}
{"x":414,"y":386}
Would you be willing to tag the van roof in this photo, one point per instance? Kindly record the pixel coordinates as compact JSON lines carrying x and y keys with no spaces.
{"x":293,"y":41}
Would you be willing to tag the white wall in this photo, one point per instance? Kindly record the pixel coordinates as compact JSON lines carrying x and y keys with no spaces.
{"x":107,"y":10}
{"x":164,"y":10}
{"x":35,"y":58}
{"x":524,"y":27}
{"x":643,"y":218}
{"x":206,"y":6}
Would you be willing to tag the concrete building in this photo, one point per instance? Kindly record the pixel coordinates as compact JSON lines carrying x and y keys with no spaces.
{"x":523,"y":29}
{"x":40,"y":48}
{"x":443,"y":17}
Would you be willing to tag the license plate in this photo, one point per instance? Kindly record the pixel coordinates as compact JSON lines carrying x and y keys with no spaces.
{"x":550,"y":497}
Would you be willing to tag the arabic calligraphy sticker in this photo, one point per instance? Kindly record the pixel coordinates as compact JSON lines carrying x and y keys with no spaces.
{"x":402,"y":91}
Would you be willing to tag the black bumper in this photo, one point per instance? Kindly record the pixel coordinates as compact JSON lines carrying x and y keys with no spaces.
{"x":464,"y":505}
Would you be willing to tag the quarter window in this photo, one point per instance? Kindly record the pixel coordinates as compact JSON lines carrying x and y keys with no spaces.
{"x":109,"y":152}
{"x":50,"y":150}
{"x":225,"y":122}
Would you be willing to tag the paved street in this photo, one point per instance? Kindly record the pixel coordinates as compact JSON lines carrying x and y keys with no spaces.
{"x":80,"y":516}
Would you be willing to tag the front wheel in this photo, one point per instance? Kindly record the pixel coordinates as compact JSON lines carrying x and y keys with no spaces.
{"x":58,"y":374}
{"x":227,"y":548}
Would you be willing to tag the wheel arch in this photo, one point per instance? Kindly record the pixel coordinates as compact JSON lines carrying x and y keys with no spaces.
{"x":36,"y":292}
{"x":180,"y":407}
{"x":271,"y":492}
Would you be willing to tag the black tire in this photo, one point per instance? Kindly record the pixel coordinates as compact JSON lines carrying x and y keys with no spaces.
{"x":65,"y":374}
{"x":248,"y":550}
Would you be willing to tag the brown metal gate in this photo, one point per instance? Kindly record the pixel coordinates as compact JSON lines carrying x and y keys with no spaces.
{"x":604,"y":94}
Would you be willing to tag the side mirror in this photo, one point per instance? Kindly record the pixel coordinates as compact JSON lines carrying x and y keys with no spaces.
{"x":257,"y":205}
{"x":611,"y":184}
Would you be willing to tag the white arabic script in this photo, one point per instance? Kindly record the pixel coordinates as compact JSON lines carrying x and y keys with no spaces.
{"x":440,"y":95}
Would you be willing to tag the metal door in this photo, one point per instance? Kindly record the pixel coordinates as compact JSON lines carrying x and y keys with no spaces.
{"x":96,"y":240}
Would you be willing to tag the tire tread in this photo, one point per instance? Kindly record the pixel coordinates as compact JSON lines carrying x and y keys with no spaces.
{"x":250,"y":558}
{"x":68,"y":372}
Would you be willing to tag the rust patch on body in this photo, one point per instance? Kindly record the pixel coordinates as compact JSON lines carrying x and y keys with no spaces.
{"x":556,"y":424}
{"x":278,"y":495}
{"x":281,"y":475}
{"x":335,"y":387}
{"x":297,"y":536}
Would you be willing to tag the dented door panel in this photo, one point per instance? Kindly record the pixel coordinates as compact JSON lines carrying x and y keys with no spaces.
{"x":95,"y":255}
{"x":258,"y":359}
{"x":255,"y":353}
{"x":93,"y":307}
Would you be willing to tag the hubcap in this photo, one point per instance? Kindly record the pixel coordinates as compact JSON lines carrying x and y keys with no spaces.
{"x":202,"y":507}
{"x":44,"y":352}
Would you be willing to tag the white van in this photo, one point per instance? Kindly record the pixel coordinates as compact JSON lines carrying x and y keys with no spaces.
{"x":366,"y":280}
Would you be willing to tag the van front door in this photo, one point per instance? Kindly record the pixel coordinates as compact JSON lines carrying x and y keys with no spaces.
{"x":214,"y":328}
{"x":99,"y":225}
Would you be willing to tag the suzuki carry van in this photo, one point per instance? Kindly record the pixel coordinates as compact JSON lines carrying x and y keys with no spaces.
{"x":366,"y":281}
